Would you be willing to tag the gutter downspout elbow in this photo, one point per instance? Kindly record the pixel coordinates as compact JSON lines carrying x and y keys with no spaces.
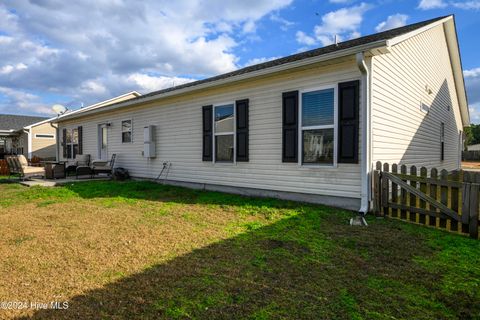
{"x":365,"y":141}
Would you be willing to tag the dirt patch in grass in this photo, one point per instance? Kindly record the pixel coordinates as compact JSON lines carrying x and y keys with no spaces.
{"x":144,"y":251}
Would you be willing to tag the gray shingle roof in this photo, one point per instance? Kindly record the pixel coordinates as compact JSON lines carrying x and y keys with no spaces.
{"x":386,"y":35}
{"x":16,"y":122}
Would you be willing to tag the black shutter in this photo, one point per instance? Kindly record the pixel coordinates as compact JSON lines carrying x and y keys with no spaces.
{"x":64,"y":142}
{"x":242,"y":129}
{"x":348,"y":97}
{"x":290,"y":126}
{"x":80,"y":140}
{"x":207,"y":133}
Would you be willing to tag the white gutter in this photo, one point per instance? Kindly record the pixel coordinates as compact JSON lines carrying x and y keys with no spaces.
{"x":239,"y":77}
{"x":366,"y":149}
{"x":57,"y":141}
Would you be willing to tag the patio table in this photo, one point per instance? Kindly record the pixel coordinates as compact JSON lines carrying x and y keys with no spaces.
{"x":54,"y":169}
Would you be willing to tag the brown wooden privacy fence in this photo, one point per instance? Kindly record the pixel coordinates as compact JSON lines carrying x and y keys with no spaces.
{"x":473,"y":155}
{"x":447,"y":200}
{"x":3,"y":167}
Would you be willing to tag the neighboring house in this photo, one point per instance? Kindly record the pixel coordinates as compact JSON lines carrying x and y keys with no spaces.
{"x":474,"y":147}
{"x":307,"y":127}
{"x":30,"y":136}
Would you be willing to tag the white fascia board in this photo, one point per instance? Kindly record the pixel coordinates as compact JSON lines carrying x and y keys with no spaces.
{"x":369,"y":47}
{"x":415,"y":32}
{"x":97,"y":105}
{"x":456,"y":62}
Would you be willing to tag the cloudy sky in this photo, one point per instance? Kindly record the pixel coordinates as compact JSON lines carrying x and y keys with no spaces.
{"x":82,"y":52}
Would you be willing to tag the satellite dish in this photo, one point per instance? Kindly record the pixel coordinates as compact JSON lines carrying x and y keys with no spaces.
{"x":59,"y":109}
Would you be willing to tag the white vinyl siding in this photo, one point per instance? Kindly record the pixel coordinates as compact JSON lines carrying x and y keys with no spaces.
{"x":402,"y":132}
{"x":178,"y":124}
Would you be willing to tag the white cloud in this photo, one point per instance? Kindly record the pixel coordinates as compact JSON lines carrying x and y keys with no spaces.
{"x":152,"y":83}
{"x":431,"y":4}
{"x":439,"y":4}
{"x":284,"y":23}
{"x":343,"y":23}
{"x":10,"y":68}
{"x":305,"y":39}
{"x":467,"y":5}
{"x":121,"y":44}
{"x":392,"y":22}
{"x":19,"y":102}
{"x":475,"y":72}
{"x":475,"y":113}
{"x":259,"y":60}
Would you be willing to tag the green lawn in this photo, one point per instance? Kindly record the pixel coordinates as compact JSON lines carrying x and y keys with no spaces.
{"x":139,"y":250}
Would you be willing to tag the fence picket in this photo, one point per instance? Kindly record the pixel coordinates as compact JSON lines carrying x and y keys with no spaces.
{"x":413,"y":198}
{"x":403,"y":195}
{"x":423,"y":188}
{"x":448,"y":201}
{"x":395,"y":192}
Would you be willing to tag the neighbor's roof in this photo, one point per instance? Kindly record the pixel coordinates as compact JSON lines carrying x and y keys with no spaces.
{"x":12,"y":122}
{"x":369,"y":42}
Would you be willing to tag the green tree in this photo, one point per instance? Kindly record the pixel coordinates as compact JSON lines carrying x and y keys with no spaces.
{"x":472,"y":134}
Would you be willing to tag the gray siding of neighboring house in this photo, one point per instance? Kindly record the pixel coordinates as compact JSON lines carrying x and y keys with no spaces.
{"x":402,"y":133}
{"x":178,"y":122}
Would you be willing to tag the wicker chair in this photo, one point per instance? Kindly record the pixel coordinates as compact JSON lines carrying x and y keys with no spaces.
{"x":101,"y":166}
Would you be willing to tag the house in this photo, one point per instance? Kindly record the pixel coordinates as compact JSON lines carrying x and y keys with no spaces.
{"x":474,"y":147}
{"x":306,"y":127}
{"x":30,"y":136}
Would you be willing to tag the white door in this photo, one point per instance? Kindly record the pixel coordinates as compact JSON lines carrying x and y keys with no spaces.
{"x":103,"y":142}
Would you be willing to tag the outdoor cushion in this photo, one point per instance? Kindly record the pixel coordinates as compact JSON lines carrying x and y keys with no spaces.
{"x":30,"y":170}
{"x":82,"y":160}
{"x":23,"y":160}
{"x":102,"y":168}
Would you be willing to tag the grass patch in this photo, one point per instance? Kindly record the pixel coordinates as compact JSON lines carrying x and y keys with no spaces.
{"x":122,"y":250}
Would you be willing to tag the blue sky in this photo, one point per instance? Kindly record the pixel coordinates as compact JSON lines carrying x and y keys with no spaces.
{"x":86,"y":51}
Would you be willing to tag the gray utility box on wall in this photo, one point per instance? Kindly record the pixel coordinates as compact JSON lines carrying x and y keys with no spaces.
{"x":149,"y":150}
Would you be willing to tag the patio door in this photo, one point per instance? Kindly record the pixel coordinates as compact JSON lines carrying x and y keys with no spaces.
{"x":103,"y":141}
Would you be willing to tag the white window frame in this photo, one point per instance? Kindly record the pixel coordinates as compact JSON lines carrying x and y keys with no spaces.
{"x":131,"y":130}
{"x":51,"y":136}
{"x":333,"y":126}
{"x":234,"y":133}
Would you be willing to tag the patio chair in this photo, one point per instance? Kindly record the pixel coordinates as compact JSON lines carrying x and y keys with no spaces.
{"x":13,"y":168}
{"x":101,"y":166}
{"x":81,"y":160}
{"x":27,"y":171}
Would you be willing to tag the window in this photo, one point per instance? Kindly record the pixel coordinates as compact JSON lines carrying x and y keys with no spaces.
{"x":126,"y":131}
{"x":72,"y":143}
{"x":318,"y":127}
{"x":442,"y":141}
{"x":44,"y":136}
{"x":224,"y":133}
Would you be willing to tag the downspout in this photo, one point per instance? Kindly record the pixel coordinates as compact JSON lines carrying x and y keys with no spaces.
{"x":29,"y":142}
{"x":57,"y":149}
{"x":366,"y":137}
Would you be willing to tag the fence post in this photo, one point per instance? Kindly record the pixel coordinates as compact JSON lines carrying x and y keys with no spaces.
{"x":376,"y":188}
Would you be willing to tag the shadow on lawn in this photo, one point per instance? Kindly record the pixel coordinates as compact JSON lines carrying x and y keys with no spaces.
{"x":310,"y":266}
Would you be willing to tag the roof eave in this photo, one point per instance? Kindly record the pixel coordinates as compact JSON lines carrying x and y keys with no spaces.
{"x":373,"y":47}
